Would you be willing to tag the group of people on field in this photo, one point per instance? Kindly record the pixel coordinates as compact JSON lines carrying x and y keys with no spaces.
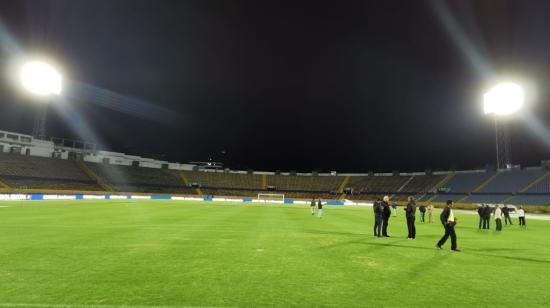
{"x":319,"y":204}
{"x":383,"y":210}
{"x":447,"y":218}
{"x":485,"y":212}
{"x":382,"y":214}
{"x":422,"y":209}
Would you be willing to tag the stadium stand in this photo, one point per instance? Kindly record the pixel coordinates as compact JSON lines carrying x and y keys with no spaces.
{"x":463,"y":183}
{"x":28,"y":172}
{"x":94,"y":176}
{"x":4,"y":185}
{"x":305,"y":183}
{"x":530,"y":200}
{"x":216,"y":192}
{"x":445,"y":197}
{"x":380,"y":184}
{"x":498,"y":187}
{"x":422,"y":183}
{"x":512,"y":181}
{"x":254,"y":193}
{"x":309,"y":195}
{"x":399,"y":188}
{"x":425,"y":198}
{"x":540,"y":186}
{"x":224,"y":180}
{"x":530,"y":186}
{"x":138,"y":179}
{"x":483,"y":198}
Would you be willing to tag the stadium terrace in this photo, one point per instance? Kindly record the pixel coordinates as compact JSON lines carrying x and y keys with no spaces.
{"x":37,"y":166}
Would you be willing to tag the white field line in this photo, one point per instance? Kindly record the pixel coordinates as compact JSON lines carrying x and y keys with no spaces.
{"x":90,"y":306}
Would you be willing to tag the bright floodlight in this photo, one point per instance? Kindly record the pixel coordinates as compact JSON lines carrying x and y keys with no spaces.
{"x":503,"y":99}
{"x":40,"y":78}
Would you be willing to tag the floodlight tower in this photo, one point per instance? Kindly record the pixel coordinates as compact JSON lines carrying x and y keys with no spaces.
{"x":44,"y":81}
{"x":501,"y":101}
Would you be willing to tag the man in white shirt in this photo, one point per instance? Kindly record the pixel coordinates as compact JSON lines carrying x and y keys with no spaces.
{"x":498,"y":217}
{"x":521,"y":216}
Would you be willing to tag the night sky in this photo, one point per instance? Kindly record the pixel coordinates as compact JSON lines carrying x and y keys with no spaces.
{"x":352,"y":86}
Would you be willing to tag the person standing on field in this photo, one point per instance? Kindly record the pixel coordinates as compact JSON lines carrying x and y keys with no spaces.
{"x":480,"y":210}
{"x":506,"y":213}
{"x":521,"y":217}
{"x":410,"y":211}
{"x":430,"y":213}
{"x":498,"y":218}
{"x":319,"y":208}
{"x":487,"y":217}
{"x":394,"y":207}
{"x":422,"y":210}
{"x":312,"y":206}
{"x":377,"y":208}
{"x":386,"y":213}
{"x":448,"y":220}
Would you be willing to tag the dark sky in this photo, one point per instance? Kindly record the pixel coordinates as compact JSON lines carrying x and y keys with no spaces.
{"x":351,"y":86}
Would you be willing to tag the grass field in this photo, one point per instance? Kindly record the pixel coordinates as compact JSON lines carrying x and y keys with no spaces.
{"x":167,"y":253}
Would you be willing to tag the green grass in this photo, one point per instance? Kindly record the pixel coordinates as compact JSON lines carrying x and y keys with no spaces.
{"x":195,"y":254}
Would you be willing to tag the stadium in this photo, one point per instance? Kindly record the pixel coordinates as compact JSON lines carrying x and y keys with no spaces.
{"x":245,"y":208}
{"x":61,"y":168}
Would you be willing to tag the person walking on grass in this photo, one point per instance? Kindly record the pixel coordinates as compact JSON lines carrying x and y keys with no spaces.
{"x":410,"y":211}
{"x":430,"y":213}
{"x":448,"y":220}
{"x":394,"y":207}
{"x":386,"y":213}
{"x":521,"y":217}
{"x":312,"y":206}
{"x":498,"y":218}
{"x":486,"y":217}
{"x":377,"y":208}
{"x":480,"y":210}
{"x":506,"y":213}
{"x":319,"y":208}
{"x":422,"y":210}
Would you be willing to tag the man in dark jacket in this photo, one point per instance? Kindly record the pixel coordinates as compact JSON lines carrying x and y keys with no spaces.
{"x":422,"y":210}
{"x":410,"y":211}
{"x":506,"y":213}
{"x":486,"y":216}
{"x":377,"y":207}
{"x":386,"y":213}
{"x":449,"y":221}
{"x":481,"y":217}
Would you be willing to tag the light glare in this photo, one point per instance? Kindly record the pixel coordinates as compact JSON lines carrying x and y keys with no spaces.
{"x":503,"y":99}
{"x":40,"y":78}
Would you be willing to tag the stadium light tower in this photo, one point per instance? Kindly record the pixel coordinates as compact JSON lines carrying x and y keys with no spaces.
{"x":43,"y":80}
{"x":501,"y":101}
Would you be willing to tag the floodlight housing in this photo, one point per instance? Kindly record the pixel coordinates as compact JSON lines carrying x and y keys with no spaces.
{"x":40,"y":78}
{"x":503,"y":99}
